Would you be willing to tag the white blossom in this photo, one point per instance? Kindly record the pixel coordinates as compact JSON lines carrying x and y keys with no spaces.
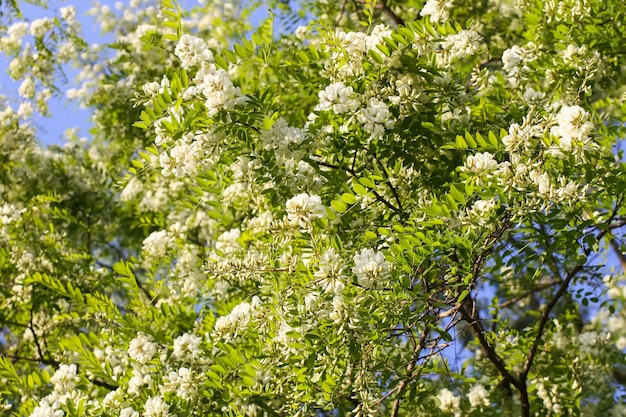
{"x":192,"y":50}
{"x":142,"y":348}
{"x":187,"y":346}
{"x":157,"y":243}
{"x":304,"y":208}
{"x":183,"y":383}
{"x":237,"y":320}
{"x":376,"y":117}
{"x":330,"y":273}
{"x":438,"y":10}
{"x":128,"y":412}
{"x":228,"y":243}
{"x":379,"y":32}
{"x":218,"y":90}
{"x":370,"y":267}
{"x":156,"y":407}
{"x":449,"y":403}
{"x":462,"y":44}
{"x":480,"y":163}
{"x":478,"y":397}
{"x":338,"y":98}
{"x":521,"y":136}
{"x":64,"y":378}
{"x":39,"y":27}
{"x":572,"y":127}
{"x":45,"y":409}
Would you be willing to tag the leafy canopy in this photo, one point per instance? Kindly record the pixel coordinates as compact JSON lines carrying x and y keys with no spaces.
{"x":342,"y":208}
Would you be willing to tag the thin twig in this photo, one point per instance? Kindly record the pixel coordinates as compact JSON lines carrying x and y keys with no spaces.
{"x":529,"y":293}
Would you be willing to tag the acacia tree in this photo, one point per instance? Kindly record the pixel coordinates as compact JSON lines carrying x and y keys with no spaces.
{"x":348,"y":208}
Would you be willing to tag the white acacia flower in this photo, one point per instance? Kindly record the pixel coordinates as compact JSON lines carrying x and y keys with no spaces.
{"x":542,"y":182}
{"x":521,"y":136}
{"x":128,"y":412}
{"x":449,"y":403}
{"x":338,"y":98}
{"x":480,"y":163}
{"x":64,"y":378}
{"x":39,"y":27}
{"x":157,"y":243}
{"x":237,"y":320}
{"x":355,"y":43}
{"x":18,"y":30}
{"x":462,"y":44}
{"x":45,"y":409}
{"x":330,"y":273}
{"x":478,"y":396}
{"x":304,"y":208}
{"x":480,"y":211}
{"x":156,"y":407}
{"x":512,"y":60}
{"x":142,"y":348}
{"x":284,"y":139}
{"x":376,"y":37}
{"x":187,"y":346}
{"x":572,"y":127}
{"x":370,"y":267}
{"x":192,"y":50}
{"x":438,"y":10}
{"x":183,"y":383}
{"x":376,"y":117}
{"x":218,"y":90}
{"x":27,"y":88}
{"x":227,"y":242}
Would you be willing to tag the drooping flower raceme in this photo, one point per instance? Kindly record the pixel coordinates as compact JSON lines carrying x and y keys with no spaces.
{"x":157,"y":243}
{"x":438,"y":10}
{"x":142,"y":348}
{"x":64,"y":378}
{"x":478,"y":397}
{"x":480,"y":163}
{"x":237,"y":320}
{"x":156,"y":407}
{"x":192,"y":50}
{"x":462,"y":44}
{"x":218,"y":90}
{"x":330,"y":273}
{"x":449,"y":403}
{"x":370,"y":268}
{"x":304,"y":208}
{"x":376,"y":118}
{"x":573,"y":126}
{"x":338,"y":98}
{"x":187,"y":347}
{"x":45,"y":409}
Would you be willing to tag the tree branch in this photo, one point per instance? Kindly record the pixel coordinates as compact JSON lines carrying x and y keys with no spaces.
{"x":620,"y":255}
{"x":529,"y":293}
{"x":470,"y":315}
{"x":546,"y":313}
{"x":417,"y":348}
{"x":353,"y":172}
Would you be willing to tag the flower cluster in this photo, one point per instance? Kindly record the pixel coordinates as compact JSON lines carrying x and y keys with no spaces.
{"x":304,"y":208}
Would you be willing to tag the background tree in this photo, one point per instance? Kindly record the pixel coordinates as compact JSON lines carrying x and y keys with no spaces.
{"x":348,"y":208}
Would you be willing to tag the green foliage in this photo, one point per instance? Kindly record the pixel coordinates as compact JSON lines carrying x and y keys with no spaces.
{"x":401,"y":208}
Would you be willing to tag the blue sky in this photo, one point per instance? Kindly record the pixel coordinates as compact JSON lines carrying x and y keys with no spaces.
{"x":64,"y":114}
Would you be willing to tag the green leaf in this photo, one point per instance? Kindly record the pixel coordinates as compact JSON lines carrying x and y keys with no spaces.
{"x":470,"y":140}
{"x":348,"y":198}
{"x":367,"y":182}
{"x":338,"y":205}
{"x":359,"y":189}
{"x":460,"y":143}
